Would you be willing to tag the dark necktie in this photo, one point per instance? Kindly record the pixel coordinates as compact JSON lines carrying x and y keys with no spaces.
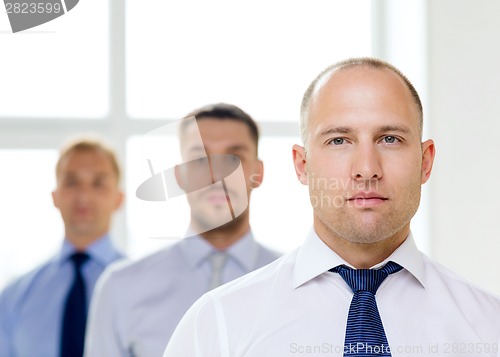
{"x":365,"y":334}
{"x":75,"y":312}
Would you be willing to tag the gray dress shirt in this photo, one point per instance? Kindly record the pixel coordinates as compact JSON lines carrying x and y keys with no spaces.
{"x":137,"y":305}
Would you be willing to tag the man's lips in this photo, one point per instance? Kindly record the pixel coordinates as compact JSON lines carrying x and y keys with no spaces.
{"x":217,"y":197}
{"x":367,"y":199}
{"x":366,"y":195}
{"x":82,"y":210}
{"x":214,"y":196}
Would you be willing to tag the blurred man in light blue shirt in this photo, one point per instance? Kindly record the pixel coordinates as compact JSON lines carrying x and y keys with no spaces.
{"x":34,"y":308}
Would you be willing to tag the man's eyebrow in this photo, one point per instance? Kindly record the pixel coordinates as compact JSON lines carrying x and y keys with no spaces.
{"x":233,"y":149}
{"x":394,"y":128}
{"x":381,"y":129}
{"x":77,"y":172}
{"x":196,"y":148}
{"x":238,"y":148}
{"x":335,"y":130}
{"x":102,"y":174}
{"x":71,"y":175}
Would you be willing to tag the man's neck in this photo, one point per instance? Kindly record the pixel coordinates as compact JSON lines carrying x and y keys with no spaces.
{"x":82,"y":241}
{"x":364,"y":255}
{"x":223,"y":237}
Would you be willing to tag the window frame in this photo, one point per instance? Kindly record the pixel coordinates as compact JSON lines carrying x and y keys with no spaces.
{"x":117,"y":126}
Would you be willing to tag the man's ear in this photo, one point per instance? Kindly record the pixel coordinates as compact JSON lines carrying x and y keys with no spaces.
{"x":258,"y":176}
{"x":179,"y":177}
{"x":428,"y":154}
{"x":119,"y":199}
{"x":55,"y":199}
{"x":299,"y":161}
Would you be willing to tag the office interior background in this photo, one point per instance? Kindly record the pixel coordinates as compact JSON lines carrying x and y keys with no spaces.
{"x":125,"y":68}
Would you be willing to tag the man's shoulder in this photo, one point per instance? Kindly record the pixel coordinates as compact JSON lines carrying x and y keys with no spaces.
{"x":17,"y":289}
{"x":127,"y":270}
{"x":261,"y":280}
{"x":462,"y":290}
{"x":245,"y":297}
{"x":266,"y":254}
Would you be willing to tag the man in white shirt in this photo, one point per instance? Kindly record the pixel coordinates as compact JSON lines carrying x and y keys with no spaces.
{"x":137,"y":306}
{"x":358,"y":286}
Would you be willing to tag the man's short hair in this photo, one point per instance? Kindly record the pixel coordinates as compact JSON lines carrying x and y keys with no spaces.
{"x":223,"y":111}
{"x":346,"y":64}
{"x":89,"y":143}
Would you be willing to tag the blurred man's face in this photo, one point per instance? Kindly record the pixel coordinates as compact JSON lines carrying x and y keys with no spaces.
{"x":87,"y":193}
{"x":220,"y":171}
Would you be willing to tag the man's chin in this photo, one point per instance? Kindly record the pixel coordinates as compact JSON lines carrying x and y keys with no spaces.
{"x":206,"y":226}
{"x":219,"y":223}
{"x":84,"y":229}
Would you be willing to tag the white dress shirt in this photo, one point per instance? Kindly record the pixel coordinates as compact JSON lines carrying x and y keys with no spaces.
{"x":136,"y":306}
{"x":296,"y":307}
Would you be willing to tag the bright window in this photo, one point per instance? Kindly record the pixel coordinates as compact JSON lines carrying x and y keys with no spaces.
{"x":31,"y":227}
{"x":280,"y":211}
{"x":58,"y":70}
{"x":259,"y":55}
{"x":132,"y":64}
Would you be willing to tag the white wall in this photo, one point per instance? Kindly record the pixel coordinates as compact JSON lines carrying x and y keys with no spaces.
{"x":464,"y":119}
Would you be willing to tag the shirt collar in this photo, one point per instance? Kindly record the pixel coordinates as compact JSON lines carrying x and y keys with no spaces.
{"x":101,"y":251}
{"x":244,"y":251}
{"x":315,"y":257}
{"x":409,"y":257}
{"x":196,"y":250}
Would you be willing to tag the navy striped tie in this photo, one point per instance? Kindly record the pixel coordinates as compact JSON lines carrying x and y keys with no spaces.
{"x":365,"y":334}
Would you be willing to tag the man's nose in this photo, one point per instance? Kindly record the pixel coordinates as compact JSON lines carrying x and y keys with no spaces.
{"x":84,"y":193}
{"x":366,"y":165}
{"x":223,"y":165}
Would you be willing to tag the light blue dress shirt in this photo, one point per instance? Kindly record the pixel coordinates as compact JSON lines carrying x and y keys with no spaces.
{"x":136,"y":306}
{"x":31,"y":306}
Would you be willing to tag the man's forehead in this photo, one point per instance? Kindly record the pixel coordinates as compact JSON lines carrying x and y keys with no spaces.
{"x":85,"y":170}
{"x":230,"y":146}
{"x":354,"y":74}
{"x":85,"y":160}
{"x":207,"y":132}
{"x":205,"y":124}
{"x":191,"y":138}
{"x":363,"y":98}
{"x":365,"y":84}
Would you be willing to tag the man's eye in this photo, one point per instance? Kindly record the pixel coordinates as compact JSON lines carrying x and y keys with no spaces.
{"x":233,"y":158}
{"x":201,"y":160}
{"x":390,"y":139}
{"x":337,"y":141}
{"x":70,"y":183}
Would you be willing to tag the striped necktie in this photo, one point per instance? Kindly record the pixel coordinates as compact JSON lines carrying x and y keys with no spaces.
{"x":365,"y":334}
{"x":75,"y":312}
